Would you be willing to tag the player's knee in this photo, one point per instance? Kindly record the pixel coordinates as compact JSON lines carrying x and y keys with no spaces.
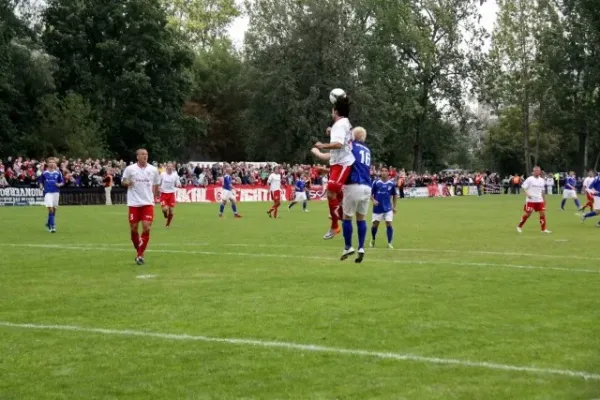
{"x":388,"y":224}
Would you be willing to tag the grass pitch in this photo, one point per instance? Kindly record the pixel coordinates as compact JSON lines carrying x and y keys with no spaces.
{"x":463,"y":308}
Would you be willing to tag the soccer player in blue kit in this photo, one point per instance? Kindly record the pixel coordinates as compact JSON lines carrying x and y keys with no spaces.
{"x":51,"y":180}
{"x":300,"y":193}
{"x":357,"y":193}
{"x":593,"y":189}
{"x":383,"y":194}
{"x":569,"y":192}
{"x":227,"y":194}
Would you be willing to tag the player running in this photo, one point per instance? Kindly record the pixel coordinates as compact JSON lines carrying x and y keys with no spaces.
{"x":569,"y":191}
{"x":141,"y":180}
{"x":50,"y":181}
{"x":358,"y":194}
{"x":340,"y":160}
{"x":169,"y":182}
{"x":594,"y":189}
{"x":384,"y":197}
{"x":274,"y":182}
{"x":228,"y":195}
{"x":589,"y":197}
{"x":534,"y":188}
{"x":300,"y":193}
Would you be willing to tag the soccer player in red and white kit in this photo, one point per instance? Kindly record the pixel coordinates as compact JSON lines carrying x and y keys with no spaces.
{"x":589,"y":197}
{"x":341,"y":160}
{"x":274,"y":182}
{"x":534,"y":188}
{"x":169,"y":182}
{"x":141,"y":180}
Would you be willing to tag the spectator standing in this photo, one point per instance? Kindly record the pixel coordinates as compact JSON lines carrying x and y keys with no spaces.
{"x":108,"y":184}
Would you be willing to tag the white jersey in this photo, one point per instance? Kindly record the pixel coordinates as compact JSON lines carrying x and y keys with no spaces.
{"x":274,"y":182}
{"x":535,"y":187}
{"x":140,"y":192}
{"x":169,"y":182}
{"x":587,"y":182}
{"x":341,"y":132}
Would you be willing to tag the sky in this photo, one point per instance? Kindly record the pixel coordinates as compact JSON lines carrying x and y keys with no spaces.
{"x":240,"y":25}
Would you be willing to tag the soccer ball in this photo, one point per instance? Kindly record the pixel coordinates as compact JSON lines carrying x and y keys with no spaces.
{"x":336,"y":94}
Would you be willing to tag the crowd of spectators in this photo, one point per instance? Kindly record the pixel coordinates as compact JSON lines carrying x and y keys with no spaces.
{"x":23,"y":172}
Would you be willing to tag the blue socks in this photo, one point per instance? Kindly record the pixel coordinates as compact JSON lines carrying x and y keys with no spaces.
{"x":234,"y":208}
{"x":373,"y":231}
{"x":221,"y":208}
{"x":347,"y":229}
{"x":390,"y":234}
{"x":51,"y":221}
{"x":562,"y":204}
{"x":304,"y":205}
{"x":590,"y":214}
{"x":362,"y":233}
{"x":577,"y":204}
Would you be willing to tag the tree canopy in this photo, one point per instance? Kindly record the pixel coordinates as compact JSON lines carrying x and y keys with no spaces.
{"x":432,"y":87}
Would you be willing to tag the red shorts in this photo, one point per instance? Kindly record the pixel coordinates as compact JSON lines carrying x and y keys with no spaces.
{"x":589,"y":196}
{"x":276,"y":195}
{"x":338,"y":175}
{"x":537,"y":207}
{"x":167,"y":200}
{"x":141,"y":213}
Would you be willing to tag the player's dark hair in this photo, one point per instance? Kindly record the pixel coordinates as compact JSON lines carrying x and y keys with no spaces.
{"x":342,"y":106}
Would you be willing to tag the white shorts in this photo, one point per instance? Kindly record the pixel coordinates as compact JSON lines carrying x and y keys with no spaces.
{"x":569,"y":194}
{"x":596,"y":203}
{"x":356,"y":199}
{"x":300,"y":196}
{"x":387,"y":217}
{"x":227,"y":195}
{"x":51,"y":200}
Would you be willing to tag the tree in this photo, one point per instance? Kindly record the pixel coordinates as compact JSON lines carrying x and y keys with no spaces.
{"x":125,"y":61}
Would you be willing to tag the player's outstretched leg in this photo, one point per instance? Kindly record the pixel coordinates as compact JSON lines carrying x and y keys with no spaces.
{"x":235,"y":211}
{"x":292,"y":204}
{"x":374,"y":228}
{"x":577,"y":203}
{"x":591,"y":214}
{"x":361,"y":226}
{"x":524,"y":219}
{"x":334,"y":205}
{"x":390,"y":233}
{"x":222,"y":208}
{"x":347,"y":231}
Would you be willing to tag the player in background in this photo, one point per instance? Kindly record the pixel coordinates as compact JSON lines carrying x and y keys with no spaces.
{"x":569,"y":191}
{"x":340,"y":160}
{"x":589,"y":196}
{"x":227,"y":194}
{"x":358,"y":193}
{"x":142,"y":181}
{"x":594,"y":190}
{"x":169,"y":182}
{"x":50,"y":181}
{"x":384,"y":197}
{"x":534,"y":188}
{"x":300,"y":193}
{"x":274,"y":182}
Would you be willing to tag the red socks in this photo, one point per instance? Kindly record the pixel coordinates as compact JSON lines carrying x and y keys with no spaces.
{"x":169,"y":218}
{"x":543,"y":222}
{"x":334,"y":206}
{"x":143,"y":244}
{"x":135,"y":239}
{"x":524,"y":219}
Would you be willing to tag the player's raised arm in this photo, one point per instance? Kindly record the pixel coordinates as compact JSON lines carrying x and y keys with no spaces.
{"x":320,"y":155}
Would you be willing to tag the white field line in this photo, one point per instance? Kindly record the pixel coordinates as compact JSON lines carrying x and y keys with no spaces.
{"x":304,"y":257}
{"x":313,"y":348}
{"x":407,"y":250}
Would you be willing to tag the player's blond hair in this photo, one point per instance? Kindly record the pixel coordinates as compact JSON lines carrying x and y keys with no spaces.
{"x":359,"y":134}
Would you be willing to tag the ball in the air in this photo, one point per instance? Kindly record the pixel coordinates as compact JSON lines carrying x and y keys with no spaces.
{"x":336,"y":94}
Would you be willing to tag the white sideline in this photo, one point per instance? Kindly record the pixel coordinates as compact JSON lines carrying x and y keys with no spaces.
{"x":313,"y":348}
{"x":269,"y":255}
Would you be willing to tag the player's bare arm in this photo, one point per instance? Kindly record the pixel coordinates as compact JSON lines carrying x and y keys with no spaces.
{"x":329,"y":146}
{"x":394,"y":202}
{"x":320,"y":155}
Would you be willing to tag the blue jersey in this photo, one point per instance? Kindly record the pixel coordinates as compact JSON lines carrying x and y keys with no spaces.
{"x":50,"y":181}
{"x":570,"y":183}
{"x":227,"y":183}
{"x":361,"y":169}
{"x":382,"y":192}
{"x":595,"y":186}
{"x":300,"y":186}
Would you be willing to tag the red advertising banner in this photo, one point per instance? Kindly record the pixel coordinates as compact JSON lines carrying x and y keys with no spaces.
{"x":212,"y":193}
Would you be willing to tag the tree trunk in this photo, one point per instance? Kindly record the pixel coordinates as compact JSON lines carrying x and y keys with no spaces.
{"x":581,"y":152}
{"x":526,"y":132}
{"x":417,"y":150}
